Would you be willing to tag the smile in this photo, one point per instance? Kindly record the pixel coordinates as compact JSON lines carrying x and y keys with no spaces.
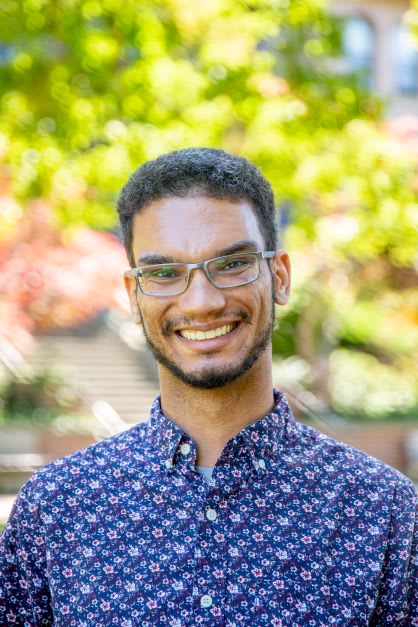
{"x":208,"y":335}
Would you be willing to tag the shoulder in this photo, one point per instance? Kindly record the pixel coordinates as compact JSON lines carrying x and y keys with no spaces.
{"x":92,"y":465}
{"x":340,"y":463}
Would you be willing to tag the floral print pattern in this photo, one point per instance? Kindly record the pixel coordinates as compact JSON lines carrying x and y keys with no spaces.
{"x":294,"y":529}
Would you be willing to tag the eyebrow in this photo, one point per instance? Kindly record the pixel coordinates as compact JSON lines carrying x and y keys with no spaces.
{"x":237,"y":247}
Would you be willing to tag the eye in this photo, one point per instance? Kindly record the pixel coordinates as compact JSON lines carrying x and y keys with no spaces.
{"x":161,"y":272}
{"x":231,"y":265}
{"x":167,"y":273}
{"x":228,"y":265}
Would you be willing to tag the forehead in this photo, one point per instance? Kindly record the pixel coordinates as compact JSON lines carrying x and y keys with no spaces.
{"x":193,"y":228}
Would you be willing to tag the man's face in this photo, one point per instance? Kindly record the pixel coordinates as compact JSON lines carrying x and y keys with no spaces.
{"x":193,"y":230}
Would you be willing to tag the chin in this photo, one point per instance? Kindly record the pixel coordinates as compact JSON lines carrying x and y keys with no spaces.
{"x":211,"y":377}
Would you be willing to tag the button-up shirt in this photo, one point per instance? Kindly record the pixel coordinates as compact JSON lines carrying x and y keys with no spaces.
{"x":293,"y":529}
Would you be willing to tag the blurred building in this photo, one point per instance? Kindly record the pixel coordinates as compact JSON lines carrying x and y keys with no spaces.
{"x":377,"y":42}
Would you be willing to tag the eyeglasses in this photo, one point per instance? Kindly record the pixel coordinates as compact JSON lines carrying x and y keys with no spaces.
{"x":172,"y":279}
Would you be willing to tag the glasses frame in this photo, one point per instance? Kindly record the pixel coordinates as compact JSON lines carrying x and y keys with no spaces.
{"x":134,"y":273}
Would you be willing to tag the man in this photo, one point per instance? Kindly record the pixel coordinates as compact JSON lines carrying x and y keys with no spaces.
{"x":222,"y":510}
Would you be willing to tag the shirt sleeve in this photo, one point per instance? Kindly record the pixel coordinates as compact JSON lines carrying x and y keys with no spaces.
{"x":398,"y":594}
{"x":24,"y":591}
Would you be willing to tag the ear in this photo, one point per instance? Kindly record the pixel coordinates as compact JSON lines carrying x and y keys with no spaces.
{"x":132,"y":289}
{"x":281,"y":277}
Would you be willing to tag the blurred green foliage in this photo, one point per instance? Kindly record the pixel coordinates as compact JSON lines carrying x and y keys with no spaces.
{"x":411,"y":18}
{"x":92,"y":88}
{"x":38,"y":396}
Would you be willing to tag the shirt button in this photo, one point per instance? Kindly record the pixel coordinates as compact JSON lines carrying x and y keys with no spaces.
{"x":261,"y":463}
{"x":211,"y":514}
{"x":205,"y":600}
{"x":168,"y":463}
{"x":185,"y":449}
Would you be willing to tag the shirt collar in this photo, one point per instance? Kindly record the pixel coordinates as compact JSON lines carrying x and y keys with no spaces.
{"x":259,"y":440}
{"x":163,"y":435}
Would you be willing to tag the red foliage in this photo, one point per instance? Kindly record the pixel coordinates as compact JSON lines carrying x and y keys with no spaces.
{"x":53,"y":278}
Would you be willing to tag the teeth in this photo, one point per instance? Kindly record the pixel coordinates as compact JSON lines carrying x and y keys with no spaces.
{"x":207,"y":335}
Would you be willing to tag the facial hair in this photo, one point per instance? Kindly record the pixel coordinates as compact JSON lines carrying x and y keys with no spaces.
{"x":210,"y":378}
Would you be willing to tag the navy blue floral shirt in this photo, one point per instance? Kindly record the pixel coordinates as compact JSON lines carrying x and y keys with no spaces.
{"x":293,"y":529}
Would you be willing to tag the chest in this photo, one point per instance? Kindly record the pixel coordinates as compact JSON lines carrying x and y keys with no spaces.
{"x":178,"y":557}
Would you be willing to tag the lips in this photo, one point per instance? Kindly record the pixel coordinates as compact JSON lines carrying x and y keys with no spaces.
{"x":190,"y":334}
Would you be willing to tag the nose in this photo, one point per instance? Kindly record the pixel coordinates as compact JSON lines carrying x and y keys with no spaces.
{"x":201,"y":297}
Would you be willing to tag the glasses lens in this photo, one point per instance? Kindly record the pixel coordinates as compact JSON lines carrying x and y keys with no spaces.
{"x":163,"y":279}
{"x":234,"y":270}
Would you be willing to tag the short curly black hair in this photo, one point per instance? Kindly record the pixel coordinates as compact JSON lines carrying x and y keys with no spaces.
{"x":197,"y":172}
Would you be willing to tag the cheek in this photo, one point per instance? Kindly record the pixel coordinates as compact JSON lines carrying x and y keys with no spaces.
{"x":152,"y":313}
{"x":265,"y":292}
{"x":267,"y":309}
{"x":259,"y":304}
{"x":145,"y":311}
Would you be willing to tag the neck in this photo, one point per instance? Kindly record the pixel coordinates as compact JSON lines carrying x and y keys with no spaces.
{"x":212,"y":417}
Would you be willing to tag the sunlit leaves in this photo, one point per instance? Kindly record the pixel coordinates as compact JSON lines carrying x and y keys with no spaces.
{"x":154,"y":64}
{"x":411,"y":19}
{"x":363,"y":385}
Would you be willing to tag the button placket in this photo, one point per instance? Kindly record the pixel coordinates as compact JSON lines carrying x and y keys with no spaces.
{"x":210,"y":574}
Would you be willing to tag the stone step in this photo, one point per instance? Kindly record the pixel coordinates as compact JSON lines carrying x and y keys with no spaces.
{"x":105,"y":367}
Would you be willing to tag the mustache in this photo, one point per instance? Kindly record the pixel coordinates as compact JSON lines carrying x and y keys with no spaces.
{"x":239,"y":315}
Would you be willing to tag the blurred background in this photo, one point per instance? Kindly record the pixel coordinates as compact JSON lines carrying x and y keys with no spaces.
{"x":322,"y":96}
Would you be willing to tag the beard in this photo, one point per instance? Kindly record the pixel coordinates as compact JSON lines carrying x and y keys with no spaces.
{"x":209,"y":377}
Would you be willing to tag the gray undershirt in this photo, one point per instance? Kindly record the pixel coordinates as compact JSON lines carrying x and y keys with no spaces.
{"x":205,"y":472}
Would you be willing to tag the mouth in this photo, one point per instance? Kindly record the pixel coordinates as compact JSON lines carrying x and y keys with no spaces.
{"x":201,"y":336}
